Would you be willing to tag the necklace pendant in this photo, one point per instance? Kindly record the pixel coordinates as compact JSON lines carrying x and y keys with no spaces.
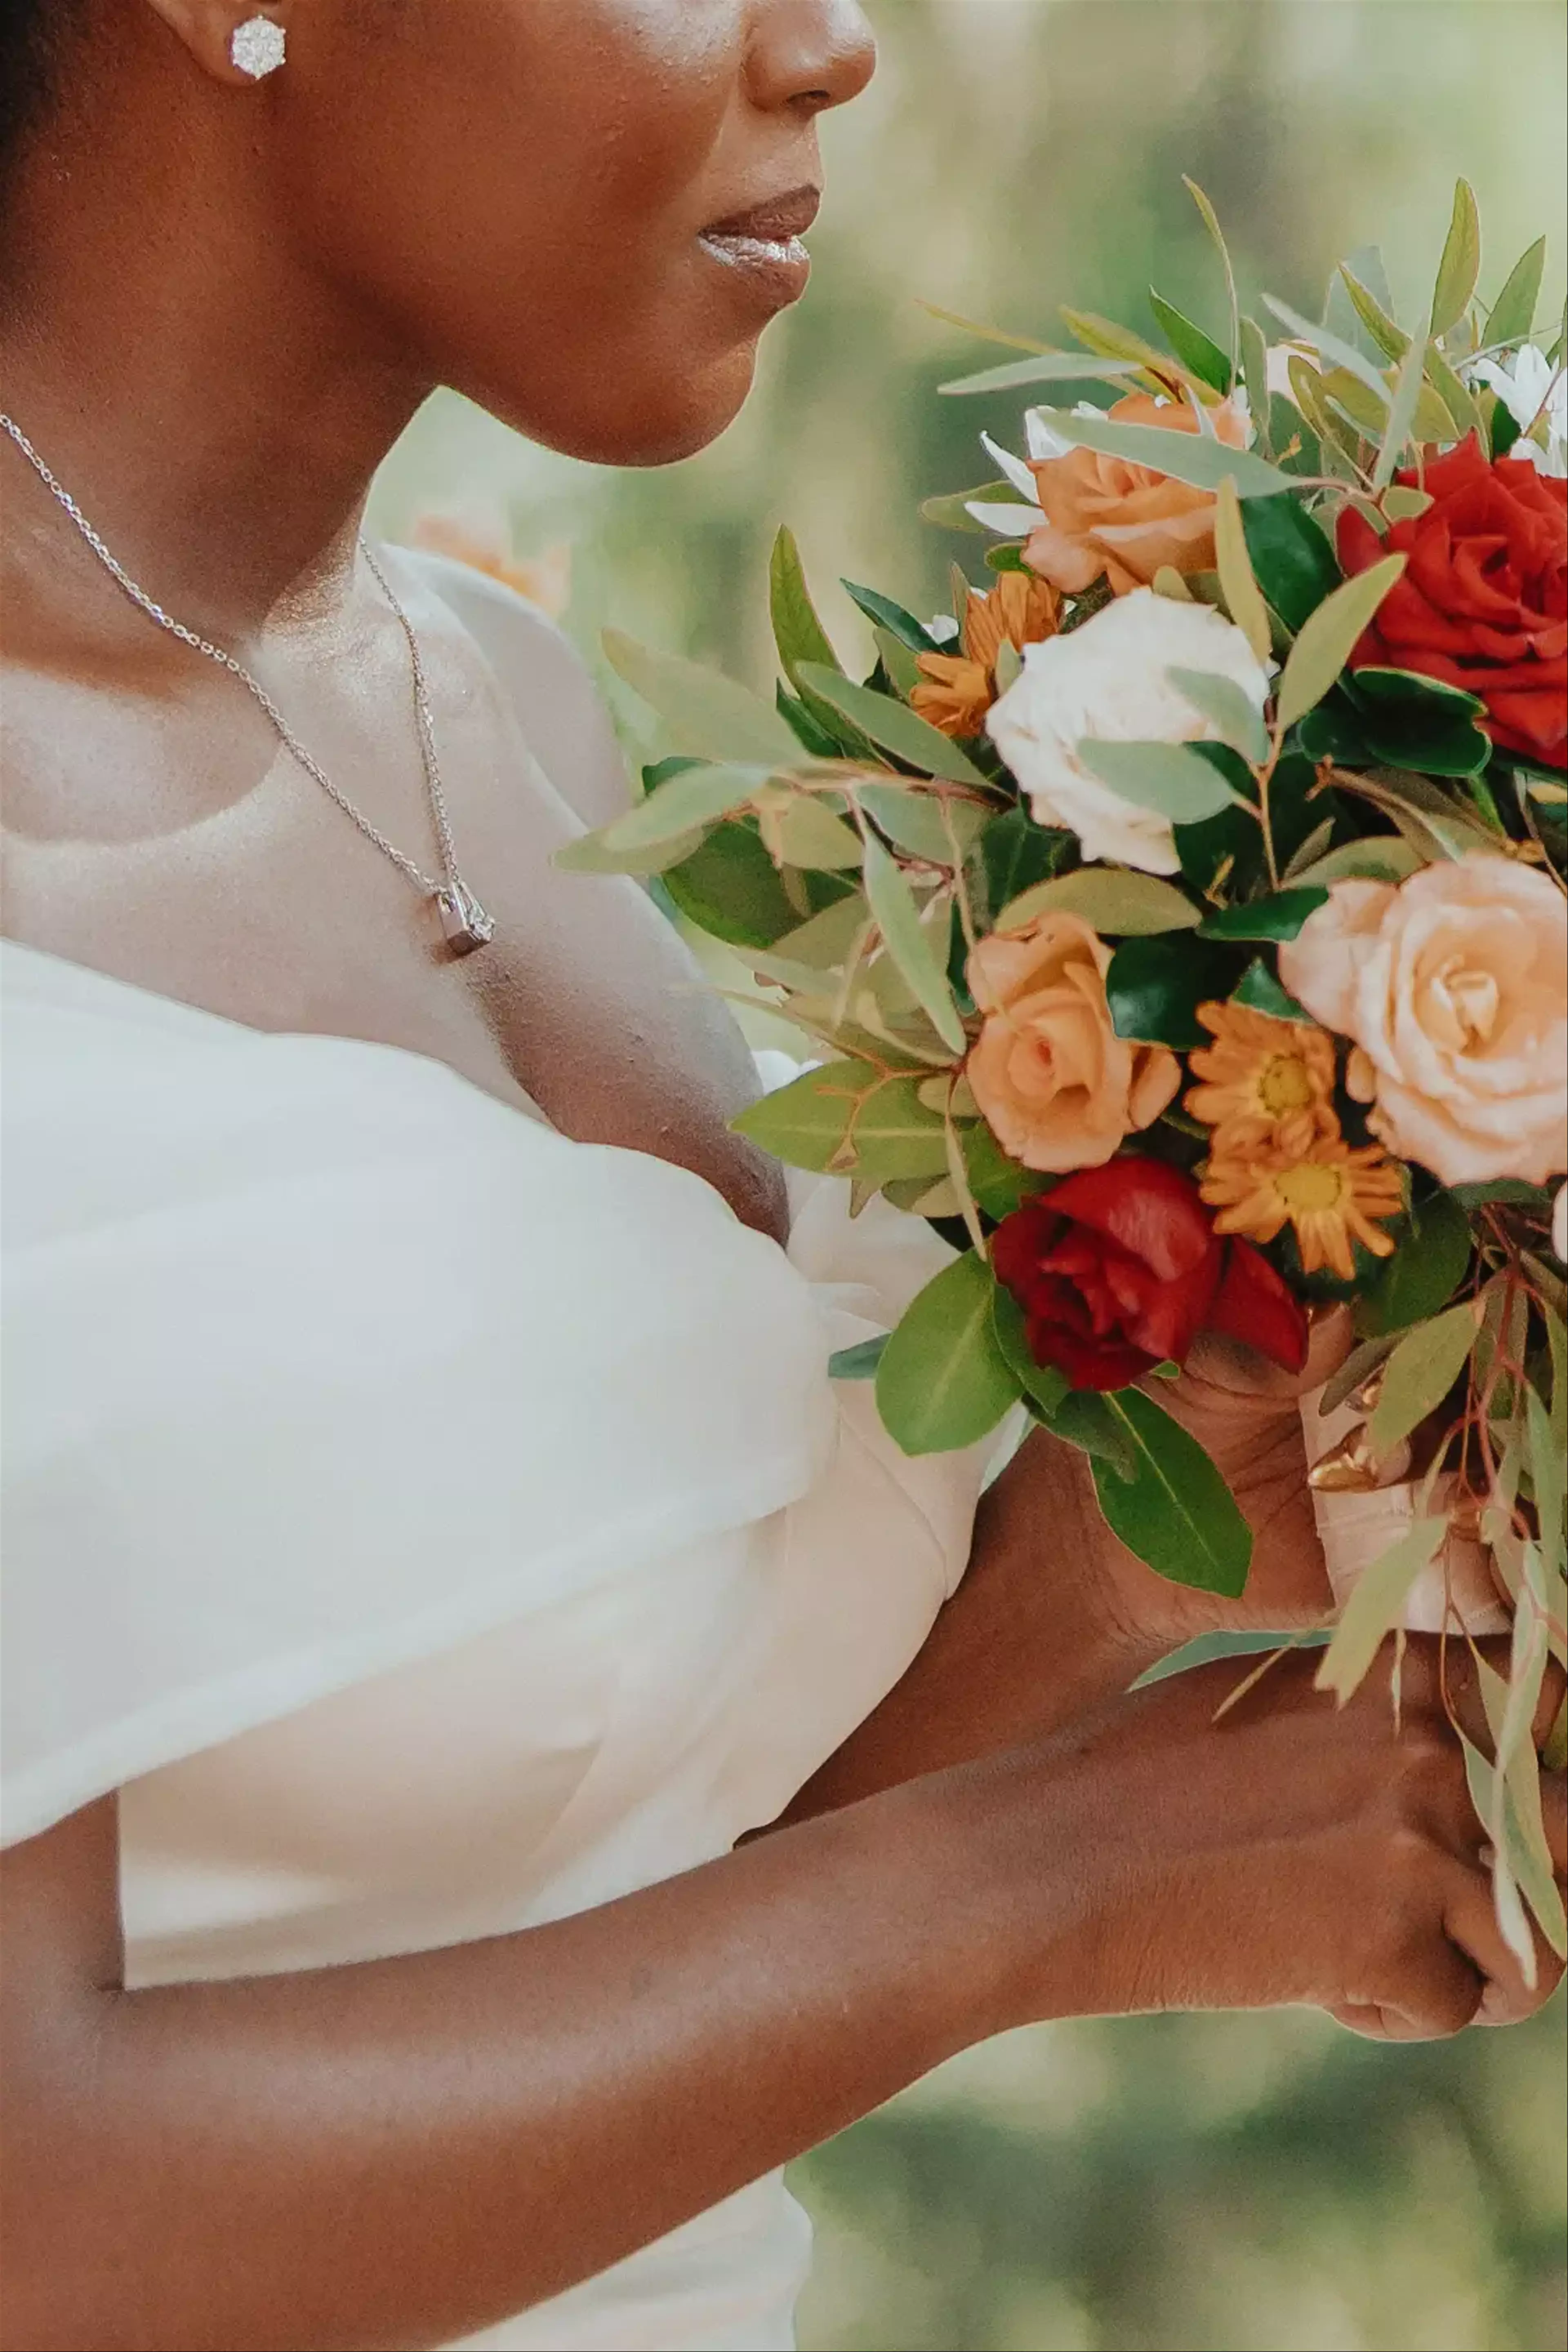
{"x":465,"y":925}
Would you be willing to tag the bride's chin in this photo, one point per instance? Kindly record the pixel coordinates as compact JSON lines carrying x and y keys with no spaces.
{"x":656,"y":421}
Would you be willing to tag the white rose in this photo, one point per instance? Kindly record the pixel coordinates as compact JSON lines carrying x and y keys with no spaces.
{"x":1107,"y":679}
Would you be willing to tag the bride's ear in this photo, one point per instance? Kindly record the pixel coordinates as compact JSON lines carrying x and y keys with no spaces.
{"x":236,"y":41}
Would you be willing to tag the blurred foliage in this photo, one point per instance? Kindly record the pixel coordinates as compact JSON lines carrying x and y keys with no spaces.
{"x":1235,"y":2184}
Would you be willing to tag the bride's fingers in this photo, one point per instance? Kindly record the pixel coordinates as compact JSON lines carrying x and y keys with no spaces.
{"x":1470,"y":1923}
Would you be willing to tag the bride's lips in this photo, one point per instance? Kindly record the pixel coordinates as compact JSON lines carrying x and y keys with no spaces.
{"x":763,"y":245}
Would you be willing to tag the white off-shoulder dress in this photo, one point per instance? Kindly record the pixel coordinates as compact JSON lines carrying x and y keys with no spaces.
{"x":430,"y":1525}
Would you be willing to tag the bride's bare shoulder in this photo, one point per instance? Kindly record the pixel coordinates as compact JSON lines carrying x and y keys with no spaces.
{"x":561,"y":710}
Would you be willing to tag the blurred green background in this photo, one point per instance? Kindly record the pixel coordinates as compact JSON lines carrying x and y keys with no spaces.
{"x":1235,"y":2184}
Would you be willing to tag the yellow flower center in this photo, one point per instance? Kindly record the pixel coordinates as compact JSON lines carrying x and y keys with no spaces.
{"x":1285,"y":1086}
{"x":1310,"y":1189}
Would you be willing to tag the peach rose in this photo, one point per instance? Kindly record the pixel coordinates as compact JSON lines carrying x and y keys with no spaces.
{"x":1104,"y":514}
{"x":1059,"y":1088}
{"x":1454,"y":988}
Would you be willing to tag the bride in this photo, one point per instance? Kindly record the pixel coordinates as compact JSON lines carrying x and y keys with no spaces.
{"x":432,"y":1539}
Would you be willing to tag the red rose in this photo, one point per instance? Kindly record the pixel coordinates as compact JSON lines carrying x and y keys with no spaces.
{"x":1119,"y":1268}
{"x":1483,"y":602}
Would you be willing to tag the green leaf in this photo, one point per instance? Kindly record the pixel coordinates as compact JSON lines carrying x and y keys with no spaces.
{"x":1118,"y":902}
{"x":1403,"y":411}
{"x":1411,"y":721}
{"x":884,"y":613}
{"x":1042,"y":1383}
{"x":1461,"y":263}
{"x":859,"y":1362}
{"x":913,"y":820}
{"x":591,"y":853}
{"x":1277,"y":917}
{"x":897,"y":1137}
{"x":797,"y":632}
{"x":1358,"y":1366}
{"x":909,"y":944}
{"x":809,"y":726}
{"x":951,"y":512}
{"x":1174,"y":779}
{"x":1330,"y":347}
{"x":1254,"y":375}
{"x":901,"y":666}
{"x":1113,"y":341}
{"x":943,"y":1380}
{"x":1460,"y":403}
{"x":730,"y":888}
{"x":1050,"y":367}
{"x":1509,"y":1191}
{"x":705,"y":712}
{"x":1191,"y":458}
{"x":1390,"y":338}
{"x":1513,"y":313}
{"x":1330,"y":635}
{"x":1084,"y":1419}
{"x":1431,"y":1258}
{"x":894,"y":726}
{"x":1294,"y":563}
{"x":1154,"y":987}
{"x":810,"y":836}
{"x":1192,"y":346}
{"x":1211,"y":222}
{"x":1380,"y":858}
{"x":1016,"y":852}
{"x":1374,"y":1607}
{"x":1259,"y":987}
{"x":1549,"y":1473}
{"x":1204,"y":1649}
{"x":1238,"y":585}
{"x":805,"y":1123}
{"x":1176,"y":1513}
{"x":1227,"y":707}
{"x":696,"y":797}
{"x":1419,"y":1374}
{"x":999,"y":1184}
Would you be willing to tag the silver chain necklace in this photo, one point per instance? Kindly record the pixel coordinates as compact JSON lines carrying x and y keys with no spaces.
{"x":465,"y":925}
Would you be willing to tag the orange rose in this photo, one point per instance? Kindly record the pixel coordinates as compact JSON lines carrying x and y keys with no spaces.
{"x":1103,"y":514}
{"x":1057,"y":1086}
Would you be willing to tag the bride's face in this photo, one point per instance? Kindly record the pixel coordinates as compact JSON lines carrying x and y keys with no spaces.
{"x":578,"y":212}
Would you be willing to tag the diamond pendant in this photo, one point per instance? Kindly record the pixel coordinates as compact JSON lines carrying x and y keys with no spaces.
{"x":465,"y":925}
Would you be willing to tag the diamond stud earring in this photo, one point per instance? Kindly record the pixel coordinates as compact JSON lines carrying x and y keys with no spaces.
{"x":257,"y":46}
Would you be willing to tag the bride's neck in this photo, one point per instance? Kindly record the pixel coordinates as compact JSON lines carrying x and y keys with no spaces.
{"x":216,"y":411}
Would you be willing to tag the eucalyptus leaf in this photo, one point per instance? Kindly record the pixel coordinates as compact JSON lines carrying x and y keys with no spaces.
{"x":1050,"y":367}
{"x":1419,"y":1374}
{"x":909,"y":944}
{"x":1242,"y":594}
{"x":1191,"y":458}
{"x":730,"y":887}
{"x":1403,"y":411}
{"x":1195,"y":350}
{"x":1512,"y":315}
{"x":804,"y":1124}
{"x":1119,"y":902}
{"x":951,"y":511}
{"x":914,"y":821}
{"x":705,"y":713}
{"x":1211,"y":222}
{"x":1330,"y":636}
{"x":810,"y":836}
{"x":1461,"y":262}
{"x":1176,"y":1513}
{"x":1386,"y":332}
{"x":592,"y":852}
{"x":1207,"y":1649}
{"x":1376,"y":1606}
{"x":894,"y":726}
{"x":859,"y":1362}
{"x":1330,"y":347}
{"x":1382,"y":857}
{"x":797,"y":631}
{"x":1358,"y":1366}
{"x":1173,"y":779}
{"x":695,"y":798}
{"x":884,"y":613}
{"x":1016,"y":852}
{"x":902,"y":667}
{"x":1459,"y":401}
{"x":1226,"y":706}
{"x":943,"y":1382}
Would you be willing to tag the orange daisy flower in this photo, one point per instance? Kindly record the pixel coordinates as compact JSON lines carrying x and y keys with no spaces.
{"x":1271,"y":1083}
{"x":1332,"y":1193}
{"x":960,"y":689}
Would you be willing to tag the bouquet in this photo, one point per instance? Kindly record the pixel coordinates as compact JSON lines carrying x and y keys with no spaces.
{"x":1180,"y":925}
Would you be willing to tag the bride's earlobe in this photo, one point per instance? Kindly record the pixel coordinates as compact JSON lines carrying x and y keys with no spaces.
{"x":233,"y":41}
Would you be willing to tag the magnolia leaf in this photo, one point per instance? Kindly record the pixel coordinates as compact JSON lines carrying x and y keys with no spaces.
{"x":797,"y":632}
{"x":1461,"y":263}
{"x":1154,"y":987}
{"x":1042,"y":1383}
{"x":1512,"y":314}
{"x":1211,"y":222}
{"x":1330,"y":636}
{"x":1242,"y":594}
{"x":1260,"y":987}
{"x":1431,"y":1258}
{"x":884,"y":613}
{"x":1016,"y":852}
{"x":1277,"y":917}
{"x":809,"y":835}
{"x":1226,"y":705}
{"x":1049,"y":367}
{"x":1419,"y":1374}
{"x":909,"y":944}
{"x":1330,"y":347}
{"x":943,"y":1380}
{"x":1204,"y":1649}
{"x":894,"y":726}
{"x":705,"y":712}
{"x":1176,"y":1513}
{"x":1173,"y":779}
{"x":914,"y":821}
{"x":1191,"y":458}
{"x":1294,"y":563}
{"x":731,"y":887}
{"x":1084,"y":1419}
{"x":858,"y":1362}
{"x":1386,"y":332}
{"x":1376,"y":1606}
{"x":1196,"y":351}
{"x":1118,"y":902}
